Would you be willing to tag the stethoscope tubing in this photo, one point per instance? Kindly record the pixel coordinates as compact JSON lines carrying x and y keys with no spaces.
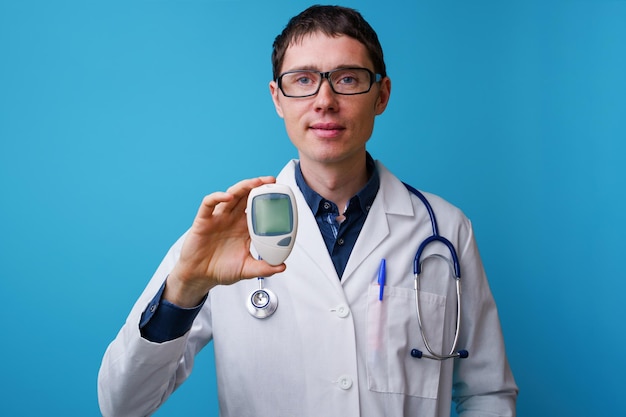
{"x":434,"y":237}
{"x":417,"y":270}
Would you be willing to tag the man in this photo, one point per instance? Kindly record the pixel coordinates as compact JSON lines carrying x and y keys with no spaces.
{"x":337,"y":345}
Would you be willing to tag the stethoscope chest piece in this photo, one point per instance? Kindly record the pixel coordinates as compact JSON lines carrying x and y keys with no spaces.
{"x":262,"y":302}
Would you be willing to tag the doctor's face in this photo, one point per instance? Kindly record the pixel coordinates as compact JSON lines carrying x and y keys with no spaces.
{"x":329,"y":128}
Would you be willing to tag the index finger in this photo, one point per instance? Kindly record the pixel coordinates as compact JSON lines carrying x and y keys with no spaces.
{"x":241,"y":190}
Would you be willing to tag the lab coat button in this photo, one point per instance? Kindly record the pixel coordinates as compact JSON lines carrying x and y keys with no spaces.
{"x":345,"y":382}
{"x":342,"y":311}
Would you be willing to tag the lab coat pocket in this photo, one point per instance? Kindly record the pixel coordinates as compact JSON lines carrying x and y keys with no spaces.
{"x":392,"y":331}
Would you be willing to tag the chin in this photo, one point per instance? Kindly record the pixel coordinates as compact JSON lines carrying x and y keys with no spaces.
{"x":330,"y":156}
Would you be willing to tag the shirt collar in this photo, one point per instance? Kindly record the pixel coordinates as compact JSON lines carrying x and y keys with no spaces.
{"x":364,"y":198}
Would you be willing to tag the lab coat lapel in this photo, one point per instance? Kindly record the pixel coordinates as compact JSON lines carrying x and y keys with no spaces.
{"x":392,"y":199}
{"x":313,"y":245}
{"x":375,"y":229}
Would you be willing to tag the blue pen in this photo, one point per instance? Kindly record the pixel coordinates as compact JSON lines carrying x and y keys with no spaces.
{"x":382,"y":277}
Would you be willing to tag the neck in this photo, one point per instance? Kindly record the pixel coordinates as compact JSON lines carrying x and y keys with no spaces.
{"x":336,"y":182}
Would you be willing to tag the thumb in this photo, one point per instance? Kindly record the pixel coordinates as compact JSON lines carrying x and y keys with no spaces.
{"x":260,"y":268}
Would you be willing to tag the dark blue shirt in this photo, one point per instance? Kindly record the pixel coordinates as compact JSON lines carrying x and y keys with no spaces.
{"x":341,"y":237}
{"x":162,"y":321}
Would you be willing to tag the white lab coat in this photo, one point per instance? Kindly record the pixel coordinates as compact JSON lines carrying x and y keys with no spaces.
{"x":332,"y":348}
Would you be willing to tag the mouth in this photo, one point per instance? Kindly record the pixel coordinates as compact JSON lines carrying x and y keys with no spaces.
{"x":327,"y":130}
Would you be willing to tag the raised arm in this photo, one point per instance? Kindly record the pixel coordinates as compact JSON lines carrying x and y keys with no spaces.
{"x":138,"y":375}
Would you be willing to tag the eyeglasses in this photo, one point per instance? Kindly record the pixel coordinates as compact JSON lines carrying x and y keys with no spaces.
{"x":345,"y":81}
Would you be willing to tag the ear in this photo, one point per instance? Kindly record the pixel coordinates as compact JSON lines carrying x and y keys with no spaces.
{"x":275,"y":91}
{"x":384,"y":92}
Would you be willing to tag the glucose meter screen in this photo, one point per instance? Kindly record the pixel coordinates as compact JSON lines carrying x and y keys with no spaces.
{"x":271,"y":214}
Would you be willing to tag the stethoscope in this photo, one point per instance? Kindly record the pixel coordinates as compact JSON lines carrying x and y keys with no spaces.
{"x":262,"y":302}
{"x":455,"y":270}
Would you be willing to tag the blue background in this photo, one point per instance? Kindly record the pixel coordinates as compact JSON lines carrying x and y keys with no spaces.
{"x":116,"y":117}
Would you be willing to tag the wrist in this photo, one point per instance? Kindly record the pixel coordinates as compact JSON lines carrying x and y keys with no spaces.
{"x":184,"y":293}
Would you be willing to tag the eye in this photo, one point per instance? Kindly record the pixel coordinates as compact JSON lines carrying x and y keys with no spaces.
{"x":303,"y":79}
{"x":348,"y":79}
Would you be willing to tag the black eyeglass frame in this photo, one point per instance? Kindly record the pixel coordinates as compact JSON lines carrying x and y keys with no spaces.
{"x":374,"y":78}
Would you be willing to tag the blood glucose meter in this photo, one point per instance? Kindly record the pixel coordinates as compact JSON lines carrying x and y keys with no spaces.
{"x":272,"y":221}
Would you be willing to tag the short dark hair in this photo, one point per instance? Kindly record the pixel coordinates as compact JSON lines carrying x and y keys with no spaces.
{"x":331,"y":21}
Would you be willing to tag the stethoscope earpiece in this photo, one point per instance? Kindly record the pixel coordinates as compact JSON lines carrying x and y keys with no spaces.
{"x":418,"y":354}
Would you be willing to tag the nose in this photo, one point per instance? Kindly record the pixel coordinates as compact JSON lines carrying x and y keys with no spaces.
{"x":326,"y":98}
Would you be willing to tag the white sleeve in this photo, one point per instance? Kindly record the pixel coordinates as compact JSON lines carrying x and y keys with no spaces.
{"x":136,"y":376}
{"x":483,"y":383}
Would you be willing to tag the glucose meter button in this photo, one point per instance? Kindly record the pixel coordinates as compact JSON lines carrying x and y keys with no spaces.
{"x":284,"y":242}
